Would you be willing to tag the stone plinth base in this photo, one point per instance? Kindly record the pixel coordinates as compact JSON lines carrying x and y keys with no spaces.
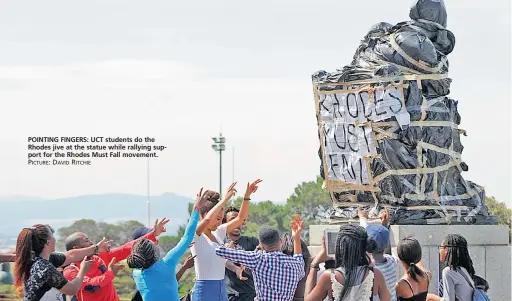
{"x":488,"y":246}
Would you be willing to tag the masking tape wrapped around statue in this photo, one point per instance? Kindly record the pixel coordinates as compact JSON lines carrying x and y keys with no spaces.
{"x":389,"y":133}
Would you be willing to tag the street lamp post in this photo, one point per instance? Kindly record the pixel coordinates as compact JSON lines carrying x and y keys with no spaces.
{"x":219,"y":145}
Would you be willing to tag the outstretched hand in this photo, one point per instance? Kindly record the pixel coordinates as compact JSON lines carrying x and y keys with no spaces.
{"x":251,"y":188}
{"x":296,"y":225}
{"x":159,"y":226}
{"x":385,"y":217}
{"x":230,"y":192}
{"x":362,"y":213}
{"x":239,"y":273}
{"x":115,"y":267}
{"x":322,"y":255}
{"x":86,"y":264}
{"x":104,"y":245}
{"x":189,"y":262}
{"x":200,"y":201}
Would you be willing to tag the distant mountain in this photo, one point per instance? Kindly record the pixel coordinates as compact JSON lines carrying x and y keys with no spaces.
{"x":19,"y":198}
{"x":20,"y":211}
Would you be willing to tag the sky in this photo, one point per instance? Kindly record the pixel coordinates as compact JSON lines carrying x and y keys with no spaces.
{"x":182,"y":71}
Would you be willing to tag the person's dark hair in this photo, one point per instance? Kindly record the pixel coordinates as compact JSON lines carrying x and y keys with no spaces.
{"x":330,"y":264}
{"x":72,"y":241}
{"x":30,"y":243}
{"x":409,"y":252}
{"x":457,"y":254}
{"x":269,"y":236}
{"x":373,"y":247}
{"x":143,"y":255}
{"x":351,"y":253}
{"x":211,"y":198}
{"x":287,"y":248}
{"x":481,"y":283}
{"x":229,"y":210}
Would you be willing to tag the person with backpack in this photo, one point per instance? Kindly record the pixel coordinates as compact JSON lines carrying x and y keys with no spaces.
{"x":458,"y":275}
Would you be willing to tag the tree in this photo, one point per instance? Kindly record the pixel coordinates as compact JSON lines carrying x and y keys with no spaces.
{"x":499,"y":209}
{"x":502,"y":213}
{"x":166,"y":243}
{"x":264,"y":213}
{"x":310,"y":201}
{"x":119,"y":233}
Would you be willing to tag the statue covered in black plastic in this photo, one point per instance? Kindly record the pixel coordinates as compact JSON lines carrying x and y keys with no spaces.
{"x":418,"y":46}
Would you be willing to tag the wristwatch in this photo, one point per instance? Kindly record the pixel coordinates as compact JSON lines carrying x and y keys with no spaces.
{"x":316,"y":267}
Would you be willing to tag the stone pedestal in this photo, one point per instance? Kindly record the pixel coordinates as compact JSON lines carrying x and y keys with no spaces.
{"x":488,"y":246}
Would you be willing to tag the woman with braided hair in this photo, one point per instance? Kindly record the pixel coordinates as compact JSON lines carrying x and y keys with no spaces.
{"x":35,"y":267}
{"x":156,"y":278}
{"x":414,"y":284}
{"x":459,"y":272}
{"x":354,"y":279}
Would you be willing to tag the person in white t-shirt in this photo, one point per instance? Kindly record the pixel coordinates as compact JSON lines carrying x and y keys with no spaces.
{"x":211,"y":233}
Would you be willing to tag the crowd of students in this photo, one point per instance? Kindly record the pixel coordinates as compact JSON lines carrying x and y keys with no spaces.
{"x":232,"y":267}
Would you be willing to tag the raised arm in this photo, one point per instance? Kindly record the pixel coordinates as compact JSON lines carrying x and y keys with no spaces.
{"x":122,"y":252}
{"x":188,"y":264}
{"x":7,"y":257}
{"x":244,"y":209}
{"x":363,"y":217}
{"x":296,"y":225}
{"x":73,"y":286}
{"x":214,"y":212}
{"x":175,"y":253}
{"x":317,"y":291}
{"x":385,"y":217}
{"x":71,"y":256}
{"x":384,"y":220}
{"x":76,"y":255}
{"x":247,"y":258}
{"x":88,"y":282}
{"x":313,"y":291}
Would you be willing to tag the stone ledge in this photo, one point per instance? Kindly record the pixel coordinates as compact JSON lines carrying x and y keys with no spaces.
{"x":314,"y":250}
{"x":498,"y":272}
{"x":432,"y":235}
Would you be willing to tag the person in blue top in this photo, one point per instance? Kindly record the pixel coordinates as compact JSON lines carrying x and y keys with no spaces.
{"x":156,"y":278}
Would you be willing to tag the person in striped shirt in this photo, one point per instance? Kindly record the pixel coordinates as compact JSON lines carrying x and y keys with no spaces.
{"x":381,"y":249}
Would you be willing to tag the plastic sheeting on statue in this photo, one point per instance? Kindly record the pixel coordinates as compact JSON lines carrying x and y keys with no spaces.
{"x":388,"y":130}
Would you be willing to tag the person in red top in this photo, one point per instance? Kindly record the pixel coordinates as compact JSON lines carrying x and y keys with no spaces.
{"x":98,"y":282}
